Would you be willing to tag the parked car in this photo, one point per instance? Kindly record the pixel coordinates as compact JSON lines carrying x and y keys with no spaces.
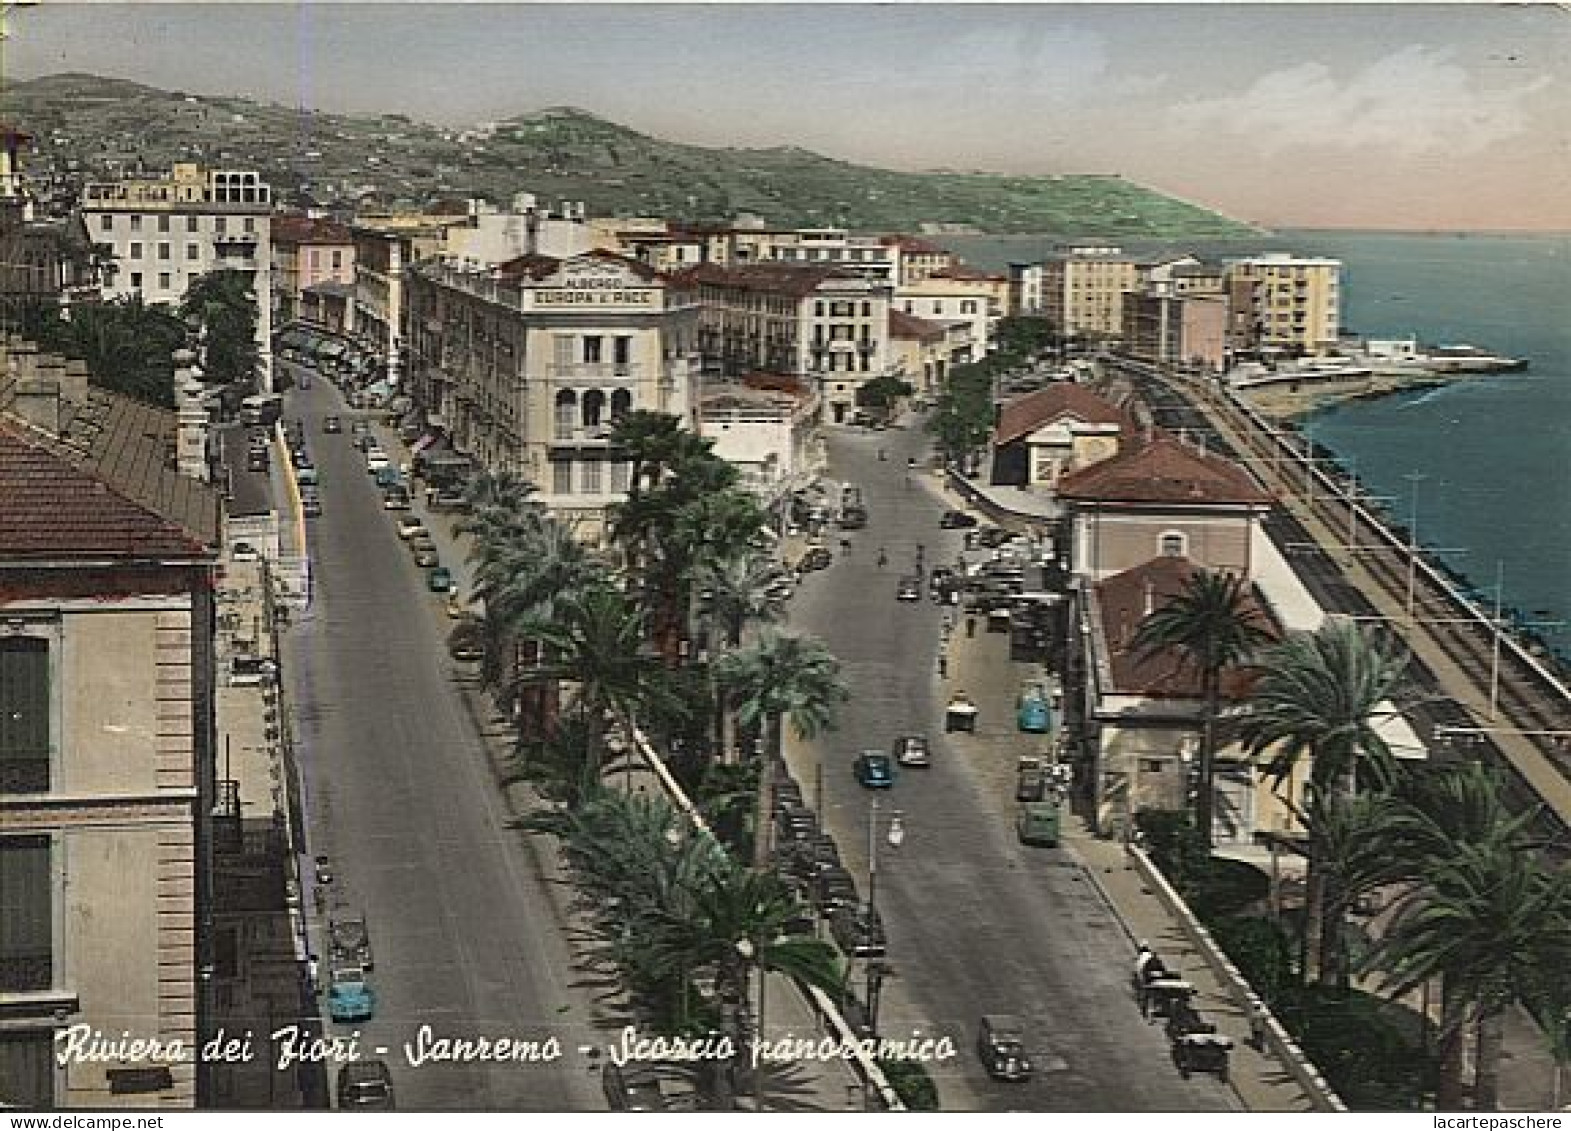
{"x":1000,"y":1042}
{"x":256,"y":460}
{"x":375,"y":460}
{"x":251,"y":671}
{"x":350,"y":997}
{"x":1032,"y":711}
{"x":365,"y":1085}
{"x":956,"y":520}
{"x":350,"y":939}
{"x":420,"y":540}
{"x":909,"y":588}
{"x":427,"y":559}
{"x":818,"y":557}
{"x":409,"y":526}
{"x":911,"y":750}
{"x":311,"y":506}
{"x":244,"y":552}
{"x":874,"y":769}
{"x":332,"y":425}
{"x":859,"y":931}
{"x":396,"y":498}
{"x":439,"y":580}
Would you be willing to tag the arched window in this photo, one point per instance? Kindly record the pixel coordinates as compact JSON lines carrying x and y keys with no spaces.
{"x":566,"y":412}
{"x":621,"y":403}
{"x":594,"y":408}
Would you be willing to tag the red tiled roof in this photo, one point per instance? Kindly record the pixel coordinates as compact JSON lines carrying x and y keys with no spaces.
{"x":55,"y":508}
{"x":903,"y":325}
{"x":308,"y":230}
{"x":544,"y":266}
{"x":1125,"y":599}
{"x":1024,"y":415}
{"x":1163,"y":470}
{"x":772,"y":278}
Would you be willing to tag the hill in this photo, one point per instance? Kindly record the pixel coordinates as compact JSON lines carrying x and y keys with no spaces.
{"x":88,"y":127}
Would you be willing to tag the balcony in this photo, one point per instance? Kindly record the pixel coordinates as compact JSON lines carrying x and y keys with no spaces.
{"x":580,"y":436}
{"x":597,"y":371}
{"x":235,"y":253}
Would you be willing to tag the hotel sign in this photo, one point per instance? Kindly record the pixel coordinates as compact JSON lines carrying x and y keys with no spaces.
{"x":584,"y":283}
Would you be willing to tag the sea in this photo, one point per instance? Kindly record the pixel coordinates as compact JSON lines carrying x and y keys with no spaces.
{"x":1480,"y":468}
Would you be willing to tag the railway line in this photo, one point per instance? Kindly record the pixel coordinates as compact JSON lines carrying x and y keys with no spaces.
{"x":1498,"y":701}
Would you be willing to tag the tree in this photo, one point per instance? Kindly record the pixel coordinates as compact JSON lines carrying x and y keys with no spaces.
{"x":781,"y":677}
{"x":224,"y":305}
{"x":882,"y":392}
{"x":1322,"y":696}
{"x":1213,"y":626}
{"x":741,"y":589}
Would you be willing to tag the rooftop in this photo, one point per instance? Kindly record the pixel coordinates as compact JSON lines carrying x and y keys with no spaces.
{"x":1164,"y":469}
{"x":1060,"y":400}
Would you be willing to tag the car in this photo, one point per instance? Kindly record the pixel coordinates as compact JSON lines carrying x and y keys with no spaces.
{"x":1000,"y":1042}
{"x":911,"y":750}
{"x":427,"y":559}
{"x":439,"y":580}
{"x":365,"y":1085}
{"x":853,"y":517}
{"x":993,"y":537}
{"x":859,"y":931}
{"x":874,"y":769}
{"x":244,"y":552}
{"x":389,"y":476}
{"x":376,"y":460}
{"x":350,"y":939}
{"x":306,"y":475}
{"x":409,"y":526}
{"x":396,"y":499}
{"x":251,"y":671}
{"x":332,"y":425}
{"x":311,"y":507}
{"x":350,"y":997}
{"x":818,"y":557}
{"x":833,"y":887}
{"x":956,"y":520}
{"x":909,"y":588}
{"x":420,"y":540}
{"x":1032,"y":711}
{"x":256,"y":460}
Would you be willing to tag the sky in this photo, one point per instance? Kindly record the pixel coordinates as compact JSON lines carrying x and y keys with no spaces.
{"x":1395,"y":116}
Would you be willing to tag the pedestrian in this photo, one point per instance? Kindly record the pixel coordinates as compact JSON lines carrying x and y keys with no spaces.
{"x":313,"y":967}
{"x":1259,"y":1023}
{"x":883,"y":558}
{"x":943,"y":664}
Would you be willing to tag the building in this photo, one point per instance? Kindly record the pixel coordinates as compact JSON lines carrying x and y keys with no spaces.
{"x":312,"y":259}
{"x":946,"y":300}
{"x":1026,"y":281}
{"x":767,"y":427}
{"x":166,"y":231}
{"x":526,"y":366}
{"x":1053,"y":432}
{"x":1286,"y":304}
{"x":921,"y":352}
{"x":1083,"y":290}
{"x":384,"y":247}
{"x":868,"y":256}
{"x":106,"y":746}
{"x":919,"y":259}
{"x":821,"y":324}
{"x":1177,"y":329}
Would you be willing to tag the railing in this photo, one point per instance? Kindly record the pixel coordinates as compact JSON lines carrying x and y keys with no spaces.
{"x":597,"y":371}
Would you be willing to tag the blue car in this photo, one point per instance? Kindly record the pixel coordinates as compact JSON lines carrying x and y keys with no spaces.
{"x":1032,"y":713}
{"x":350,"y":997}
{"x":874,"y":769}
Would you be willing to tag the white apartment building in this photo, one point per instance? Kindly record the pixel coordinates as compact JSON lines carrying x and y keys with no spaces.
{"x":167,"y":230}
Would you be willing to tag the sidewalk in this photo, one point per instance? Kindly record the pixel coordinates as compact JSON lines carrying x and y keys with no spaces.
{"x":979,"y":664}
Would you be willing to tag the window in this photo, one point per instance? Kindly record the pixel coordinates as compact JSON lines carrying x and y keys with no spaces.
{"x":106,"y":222}
{"x":190,"y":223}
{"x":1152,"y":765}
{"x":562,"y":351}
{"x":221,"y":225}
{"x":621,"y":403}
{"x":338,"y":259}
{"x":621,"y":351}
{"x":192,"y":252}
{"x":592,"y":343}
{"x":562,"y":477}
{"x":1172,"y":544}
{"x":136,"y":249}
{"x":566,"y":412}
{"x":590,"y":477}
{"x":250,"y":225}
{"x":621,"y":473}
{"x":163,"y":223}
{"x":136,"y":280}
{"x":27,"y":1066}
{"x":24,"y":715}
{"x":163,"y":281}
{"x":163,"y":251}
{"x":26,"y":915}
{"x":136,"y":223}
{"x":594,"y":408}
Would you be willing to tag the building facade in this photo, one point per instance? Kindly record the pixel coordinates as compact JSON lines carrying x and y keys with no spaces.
{"x":1083,"y":290}
{"x":1286,"y":303}
{"x":167,"y":231}
{"x":106,"y":749}
{"x":308,"y":253}
{"x":526,"y":367}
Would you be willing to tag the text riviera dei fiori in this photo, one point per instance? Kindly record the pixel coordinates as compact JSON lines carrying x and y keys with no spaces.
{"x":291,"y":1045}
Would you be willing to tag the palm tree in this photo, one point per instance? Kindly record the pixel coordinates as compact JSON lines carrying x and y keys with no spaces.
{"x":1322,"y":697}
{"x":781,"y":677}
{"x":1494,"y":924}
{"x":1213,"y":625}
{"x":223,"y":303}
{"x":741,"y":590}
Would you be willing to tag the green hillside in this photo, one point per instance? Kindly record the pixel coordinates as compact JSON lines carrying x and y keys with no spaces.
{"x":88,"y":126}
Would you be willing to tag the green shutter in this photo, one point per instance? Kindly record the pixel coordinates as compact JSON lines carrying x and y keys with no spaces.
{"x":24,"y":714}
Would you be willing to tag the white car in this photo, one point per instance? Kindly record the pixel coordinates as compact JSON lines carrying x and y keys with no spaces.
{"x":409,"y":526}
{"x":375,"y":460}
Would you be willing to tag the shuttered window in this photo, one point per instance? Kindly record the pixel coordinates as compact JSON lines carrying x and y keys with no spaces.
{"x":24,"y":715}
{"x":26,"y":914}
{"x":27,"y":1071}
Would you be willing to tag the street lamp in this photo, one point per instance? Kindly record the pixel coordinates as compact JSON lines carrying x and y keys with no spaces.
{"x":1415,"y":478}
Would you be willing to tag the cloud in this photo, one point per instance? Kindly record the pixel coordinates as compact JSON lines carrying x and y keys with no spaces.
{"x":1412,"y":103}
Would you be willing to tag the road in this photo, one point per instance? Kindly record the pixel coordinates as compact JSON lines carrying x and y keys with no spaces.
{"x":397,"y":792}
{"x":976,"y":922}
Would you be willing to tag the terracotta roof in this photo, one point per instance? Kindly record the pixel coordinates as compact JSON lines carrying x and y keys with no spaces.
{"x":1125,"y":599}
{"x":308,"y":230}
{"x":539,"y":267}
{"x":1024,"y":415}
{"x":772,"y":278}
{"x":913,"y":246}
{"x":1163,"y":470}
{"x":903,"y":325}
{"x":103,"y":489}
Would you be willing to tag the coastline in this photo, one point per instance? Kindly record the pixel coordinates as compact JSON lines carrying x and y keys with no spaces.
{"x":1296,"y":402}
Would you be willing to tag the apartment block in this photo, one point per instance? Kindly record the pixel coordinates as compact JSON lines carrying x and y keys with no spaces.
{"x":1083,"y":290}
{"x":1286,"y":303}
